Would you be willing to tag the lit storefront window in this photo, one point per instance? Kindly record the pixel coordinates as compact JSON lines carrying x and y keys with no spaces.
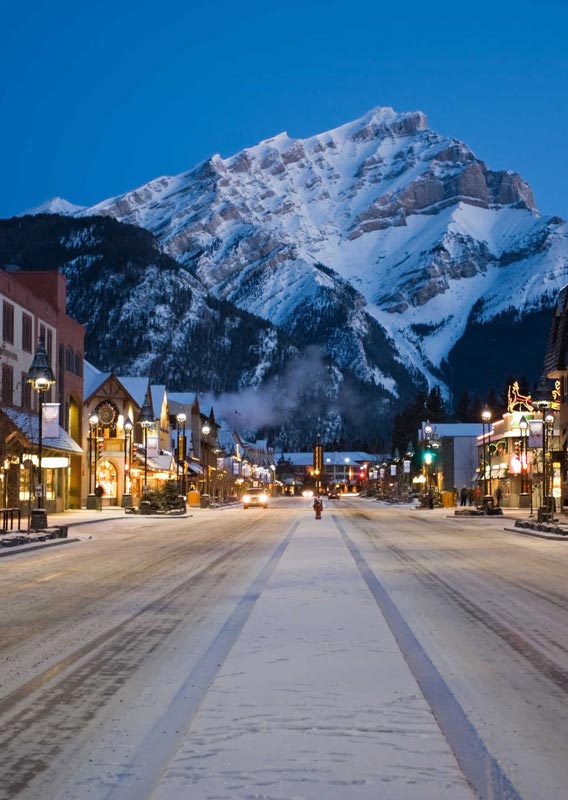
{"x":107,"y":478}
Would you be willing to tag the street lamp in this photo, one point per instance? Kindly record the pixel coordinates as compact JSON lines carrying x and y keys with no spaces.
{"x":93,"y":447}
{"x":408,"y":463}
{"x":126,"y":496}
{"x":205,"y":430}
{"x":41,"y":378}
{"x":435,"y":447}
{"x":146,"y":420}
{"x":180,"y":420}
{"x":486,"y":420}
{"x":428,"y":431}
{"x":524,"y":428}
{"x":546,"y":460}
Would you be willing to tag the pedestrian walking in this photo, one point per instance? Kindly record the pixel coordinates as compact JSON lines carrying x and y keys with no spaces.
{"x":99,"y":491}
{"x":463,"y":496}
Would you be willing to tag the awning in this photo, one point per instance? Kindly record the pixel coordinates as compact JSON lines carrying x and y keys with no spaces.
{"x":161,"y":463}
{"x":496,"y":473}
{"x":195,"y":469}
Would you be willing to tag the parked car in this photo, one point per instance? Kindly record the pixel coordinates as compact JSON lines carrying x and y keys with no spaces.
{"x":255,"y":497}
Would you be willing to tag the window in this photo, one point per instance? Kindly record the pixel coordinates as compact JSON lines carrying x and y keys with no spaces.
{"x":78,"y":364}
{"x":7,"y":385}
{"x":27,"y":325}
{"x":26,"y":392}
{"x":42,"y":333}
{"x":8,"y":323}
{"x":49,"y":344}
{"x":69,"y":359}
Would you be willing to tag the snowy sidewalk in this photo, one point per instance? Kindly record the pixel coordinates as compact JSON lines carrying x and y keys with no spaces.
{"x":314,"y":701}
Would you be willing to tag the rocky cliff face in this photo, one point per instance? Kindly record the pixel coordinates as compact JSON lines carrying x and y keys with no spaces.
{"x":381,"y":241}
{"x":421,"y":228}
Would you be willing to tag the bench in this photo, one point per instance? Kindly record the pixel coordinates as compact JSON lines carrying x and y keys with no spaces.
{"x":8,"y":517}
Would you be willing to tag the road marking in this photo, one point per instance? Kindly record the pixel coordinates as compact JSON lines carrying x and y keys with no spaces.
{"x":49,"y":577}
{"x":160,"y":745}
{"x":479,"y":767}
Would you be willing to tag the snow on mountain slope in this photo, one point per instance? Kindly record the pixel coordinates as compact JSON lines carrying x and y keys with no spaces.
{"x":56,"y":205}
{"x":426,"y":234}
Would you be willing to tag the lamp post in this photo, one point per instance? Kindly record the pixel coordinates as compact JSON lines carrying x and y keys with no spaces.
{"x":524,"y":428}
{"x":146,"y":420}
{"x":486,"y":420}
{"x":93,"y":453}
{"x":546,"y":462}
{"x":41,"y":378}
{"x":205,"y":430}
{"x":180,"y":460}
{"x":428,"y":431}
{"x":127,"y":496}
{"x":408,"y":463}
{"x":435,"y":471}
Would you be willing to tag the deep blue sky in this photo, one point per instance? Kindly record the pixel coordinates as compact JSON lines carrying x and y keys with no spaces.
{"x":98,"y":98}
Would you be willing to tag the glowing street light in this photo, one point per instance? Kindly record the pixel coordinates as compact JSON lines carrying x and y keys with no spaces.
{"x":41,"y":378}
{"x":486,"y":420}
{"x":146,"y":420}
{"x":180,"y":460}
{"x":126,"y":496}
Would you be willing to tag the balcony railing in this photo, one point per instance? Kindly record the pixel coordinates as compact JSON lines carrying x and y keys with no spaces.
{"x":113,"y":446}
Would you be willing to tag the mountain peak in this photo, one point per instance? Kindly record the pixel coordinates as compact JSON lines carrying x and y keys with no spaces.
{"x":55,"y":205}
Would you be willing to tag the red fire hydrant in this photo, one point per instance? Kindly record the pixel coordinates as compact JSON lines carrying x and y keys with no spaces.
{"x":318,"y":505}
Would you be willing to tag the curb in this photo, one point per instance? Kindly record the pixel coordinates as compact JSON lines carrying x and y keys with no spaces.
{"x":538,"y":534}
{"x":27,"y":548}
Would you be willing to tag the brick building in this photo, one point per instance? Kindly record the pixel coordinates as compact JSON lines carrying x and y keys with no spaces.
{"x":33,"y":308}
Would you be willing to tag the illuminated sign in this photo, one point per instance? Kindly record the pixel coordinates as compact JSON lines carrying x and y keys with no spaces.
{"x":517,"y":401}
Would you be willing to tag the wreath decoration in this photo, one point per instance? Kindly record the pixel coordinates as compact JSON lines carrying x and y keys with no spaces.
{"x":107,"y":412}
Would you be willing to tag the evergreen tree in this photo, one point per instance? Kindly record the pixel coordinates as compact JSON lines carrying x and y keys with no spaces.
{"x":463,"y":408}
{"x":435,"y":407}
{"x":476,"y":409}
{"x":495,"y":404}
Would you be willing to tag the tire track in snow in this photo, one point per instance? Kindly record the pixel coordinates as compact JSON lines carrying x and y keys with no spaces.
{"x":36,"y":723}
{"x":478,"y":765}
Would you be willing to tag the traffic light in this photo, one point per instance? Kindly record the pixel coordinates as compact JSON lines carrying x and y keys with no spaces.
{"x":429,"y":457}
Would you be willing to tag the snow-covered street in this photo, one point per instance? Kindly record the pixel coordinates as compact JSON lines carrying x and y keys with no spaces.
{"x":379,"y":652}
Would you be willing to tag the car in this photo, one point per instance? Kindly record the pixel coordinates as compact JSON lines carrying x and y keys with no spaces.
{"x":255,"y":497}
{"x":333,"y":495}
{"x":307,"y":493}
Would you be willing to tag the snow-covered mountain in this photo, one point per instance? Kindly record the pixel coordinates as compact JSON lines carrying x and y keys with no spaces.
{"x":429,"y":237}
{"x":55,"y":205}
{"x":332,"y":275}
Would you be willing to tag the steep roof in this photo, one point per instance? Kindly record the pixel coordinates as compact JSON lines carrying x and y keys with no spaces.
{"x":92,"y":379}
{"x":136,"y":387}
{"x":556,"y":357}
{"x":157,"y":393}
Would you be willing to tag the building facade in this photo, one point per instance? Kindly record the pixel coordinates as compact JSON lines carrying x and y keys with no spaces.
{"x":124,"y":456}
{"x":33,"y":309}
